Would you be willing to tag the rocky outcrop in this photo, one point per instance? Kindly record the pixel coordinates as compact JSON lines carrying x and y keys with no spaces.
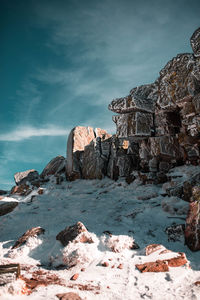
{"x":88,"y":151}
{"x":195,"y":42}
{"x":54,"y":167}
{"x":75,"y":232}
{"x":30,"y":176}
{"x":35,"y":231}
{"x":7,"y":207}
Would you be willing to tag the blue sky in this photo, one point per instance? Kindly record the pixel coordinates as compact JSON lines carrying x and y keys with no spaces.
{"x":62,"y":62}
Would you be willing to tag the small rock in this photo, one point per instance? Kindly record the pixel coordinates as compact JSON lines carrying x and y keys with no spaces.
{"x":29,"y":175}
{"x":153,"y":248}
{"x":22,"y":190}
{"x":68,"y":296}
{"x":83,"y":270}
{"x":40,"y":191}
{"x":197,"y":283}
{"x":105,"y":264}
{"x":74,"y":277}
{"x":120,"y":266}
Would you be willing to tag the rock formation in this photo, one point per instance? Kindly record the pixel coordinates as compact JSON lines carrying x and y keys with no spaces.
{"x":31,"y":176}
{"x":54,"y":167}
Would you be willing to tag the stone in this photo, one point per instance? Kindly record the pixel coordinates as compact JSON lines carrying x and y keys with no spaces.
{"x":178,"y":80}
{"x":82,"y":141}
{"x":175,"y":232}
{"x":120,"y":266}
{"x":7,"y":207}
{"x":35,"y":231}
{"x":105,"y":264}
{"x":75,"y":232}
{"x":192,"y":230}
{"x":55,"y":166}
{"x":22,"y":190}
{"x":195,"y":42}
{"x":134,"y":124}
{"x":68,"y":296}
{"x":31,"y":176}
{"x":157,"y":266}
{"x":153,"y":248}
{"x":74,"y":277}
{"x":167,"y":122}
{"x":165,"y":147}
{"x":142,"y":98}
{"x":2,"y":192}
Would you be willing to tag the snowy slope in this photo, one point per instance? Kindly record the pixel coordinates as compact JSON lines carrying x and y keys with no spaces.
{"x":129,"y":212}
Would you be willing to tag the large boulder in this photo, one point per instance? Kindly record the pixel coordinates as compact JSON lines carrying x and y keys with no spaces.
{"x":7,"y":207}
{"x":54,"y":167}
{"x":78,"y":160}
{"x":31,"y":176}
{"x":195,"y":42}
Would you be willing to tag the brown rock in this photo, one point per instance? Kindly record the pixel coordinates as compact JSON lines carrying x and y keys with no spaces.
{"x":153,"y":248}
{"x":40,"y":191}
{"x":157,"y":266}
{"x":120,"y":266}
{"x":55,"y":166}
{"x":35,"y":231}
{"x":179,"y":261}
{"x":22,"y":190}
{"x":105,"y":264}
{"x":74,"y":277}
{"x":7,"y":207}
{"x":83,"y":270}
{"x":192,"y":230}
{"x":70,"y":233}
{"x":29,"y":175}
{"x":197,"y":283}
{"x":68,"y":296}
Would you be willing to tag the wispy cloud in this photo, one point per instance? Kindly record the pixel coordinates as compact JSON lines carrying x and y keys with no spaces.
{"x":27,"y":132}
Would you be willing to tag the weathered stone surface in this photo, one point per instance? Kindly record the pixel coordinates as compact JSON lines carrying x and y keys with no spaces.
{"x":95,"y":158}
{"x":73,"y":232}
{"x":35,"y":231}
{"x":153,"y":248}
{"x":175,"y":232}
{"x":31,"y":176}
{"x":178,"y":79}
{"x":79,"y":138}
{"x":134,"y":124}
{"x":192,"y":231}
{"x":195,"y":42}
{"x":164,"y":147}
{"x":68,"y":296}
{"x":142,"y":98}
{"x":157,"y":266}
{"x":55,"y":166}
{"x":167,"y":123}
{"x":7,"y":207}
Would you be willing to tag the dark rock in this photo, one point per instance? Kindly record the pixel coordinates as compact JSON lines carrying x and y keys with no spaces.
{"x":68,"y":296}
{"x":55,"y":166}
{"x":35,"y":231}
{"x":22,"y":190}
{"x":7,"y":207}
{"x":2,"y":192}
{"x":195,"y":42}
{"x":73,"y":232}
{"x":31,"y":176}
{"x":192,"y":231}
{"x":175,"y":232}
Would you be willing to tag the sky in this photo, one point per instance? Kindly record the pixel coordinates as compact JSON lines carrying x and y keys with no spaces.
{"x":63,"y":62}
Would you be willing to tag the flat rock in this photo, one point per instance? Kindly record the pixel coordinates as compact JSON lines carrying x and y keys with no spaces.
{"x":7,"y":207}
{"x":68,"y":296}
{"x":22,"y":190}
{"x":29,"y":175}
{"x":55,"y":166}
{"x":35,"y":231}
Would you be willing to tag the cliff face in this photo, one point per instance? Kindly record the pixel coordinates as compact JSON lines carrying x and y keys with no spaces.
{"x":157,"y":126}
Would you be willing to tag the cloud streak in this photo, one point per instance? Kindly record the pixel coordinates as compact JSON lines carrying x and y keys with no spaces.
{"x":27,"y":132}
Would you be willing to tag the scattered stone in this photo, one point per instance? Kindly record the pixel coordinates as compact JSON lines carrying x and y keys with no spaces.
{"x":105,"y":264}
{"x":74,"y":277}
{"x":40,"y":191}
{"x":120,"y":266}
{"x":7,"y":207}
{"x":35,"y":231}
{"x":55,"y":166}
{"x":31,"y":176}
{"x":75,"y":232}
{"x":68,"y":296}
{"x":82,"y":269}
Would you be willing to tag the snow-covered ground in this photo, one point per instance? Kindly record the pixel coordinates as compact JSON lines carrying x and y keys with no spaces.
{"x":128,"y":212}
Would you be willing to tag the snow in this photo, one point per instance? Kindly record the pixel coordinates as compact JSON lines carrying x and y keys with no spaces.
{"x":116,"y":215}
